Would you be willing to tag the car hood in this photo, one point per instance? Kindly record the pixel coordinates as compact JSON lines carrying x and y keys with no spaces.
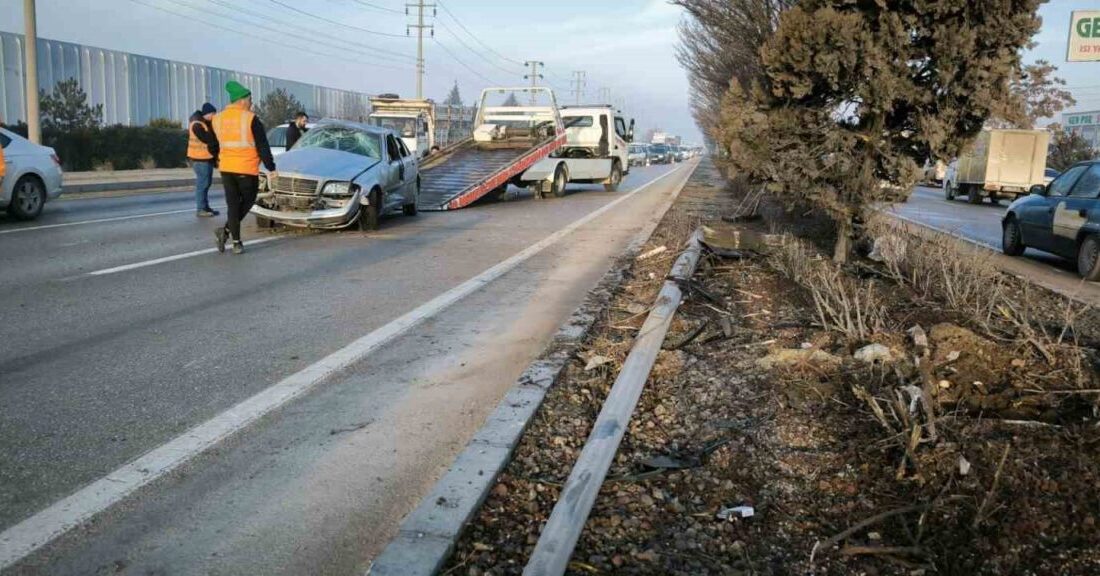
{"x":325,"y":164}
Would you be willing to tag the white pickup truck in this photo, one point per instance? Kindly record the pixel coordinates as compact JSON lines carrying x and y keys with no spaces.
{"x":596,"y":150}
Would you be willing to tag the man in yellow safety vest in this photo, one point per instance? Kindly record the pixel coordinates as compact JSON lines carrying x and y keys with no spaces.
{"x":202,"y":154}
{"x":242,"y":144}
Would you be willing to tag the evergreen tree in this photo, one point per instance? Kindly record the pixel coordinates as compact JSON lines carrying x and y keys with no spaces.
{"x":855,"y":95}
{"x":67,"y":110}
{"x":454,"y":98}
{"x":278,"y":107}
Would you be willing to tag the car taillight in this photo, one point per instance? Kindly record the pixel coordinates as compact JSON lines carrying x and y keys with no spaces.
{"x":56,"y":160}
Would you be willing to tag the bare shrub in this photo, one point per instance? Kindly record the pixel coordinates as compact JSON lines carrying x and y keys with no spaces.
{"x":966,"y":280}
{"x":104,"y":166}
{"x":148,"y":163}
{"x":843,"y":304}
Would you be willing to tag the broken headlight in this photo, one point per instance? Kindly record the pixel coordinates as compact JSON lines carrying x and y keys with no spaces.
{"x":338,"y":189}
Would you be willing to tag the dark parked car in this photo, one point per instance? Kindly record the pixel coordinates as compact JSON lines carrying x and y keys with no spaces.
{"x":1062,"y":218}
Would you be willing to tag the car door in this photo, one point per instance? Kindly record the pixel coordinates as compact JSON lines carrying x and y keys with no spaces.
{"x":1037,"y":214}
{"x":410,"y":162}
{"x":1078,"y":208}
{"x":395,"y":182}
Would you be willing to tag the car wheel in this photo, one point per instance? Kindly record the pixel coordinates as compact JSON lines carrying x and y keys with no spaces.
{"x":369,"y":215}
{"x":557,"y":187}
{"x":1012,"y":238}
{"x":1088,"y":258}
{"x":948,"y":191}
{"x":616,"y":178}
{"x":974,"y":194}
{"x":27,"y":199}
{"x":410,"y":209}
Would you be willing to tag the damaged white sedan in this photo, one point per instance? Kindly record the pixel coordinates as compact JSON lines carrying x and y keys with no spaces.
{"x":340,"y":174}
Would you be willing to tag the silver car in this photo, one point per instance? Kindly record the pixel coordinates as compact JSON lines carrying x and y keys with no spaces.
{"x":338,"y":175}
{"x":638,"y":155}
{"x":33,"y":176}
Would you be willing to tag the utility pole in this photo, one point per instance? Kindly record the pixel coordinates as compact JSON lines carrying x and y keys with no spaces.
{"x":30,"y":71}
{"x":580,"y":81}
{"x":534,"y":76}
{"x":420,"y":27}
{"x":605,"y":95}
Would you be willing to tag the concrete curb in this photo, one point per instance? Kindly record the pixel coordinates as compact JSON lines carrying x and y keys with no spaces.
{"x":150,"y":185}
{"x":428,"y":534}
{"x":1063,"y":283}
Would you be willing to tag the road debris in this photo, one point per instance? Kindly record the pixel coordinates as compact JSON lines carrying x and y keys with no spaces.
{"x":736,"y":512}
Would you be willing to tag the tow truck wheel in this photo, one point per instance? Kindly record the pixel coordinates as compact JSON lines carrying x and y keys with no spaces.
{"x":974,"y":194}
{"x":616,"y":178}
{"x":368,"y":215}
{"x":557,"y":187}
{"x":1088,"y":259}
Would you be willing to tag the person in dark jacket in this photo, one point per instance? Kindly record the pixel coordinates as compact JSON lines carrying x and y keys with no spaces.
{"x":202,"y":154}
{"x":243,"y":146}
{"x":296,"y":129}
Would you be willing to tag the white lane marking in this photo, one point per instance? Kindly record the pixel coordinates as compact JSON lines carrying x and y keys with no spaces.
{"x":96,"y":221}
{"x":68,"y":513}
{"x":155,"y":261}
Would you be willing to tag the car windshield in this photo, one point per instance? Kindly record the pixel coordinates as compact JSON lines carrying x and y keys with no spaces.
{"x":277,"y":136}
{"x":342,"y":139}
{"x":406,"y":127}
{"x":579,"y":122}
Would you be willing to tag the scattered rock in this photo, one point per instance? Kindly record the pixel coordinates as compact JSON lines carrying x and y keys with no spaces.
{"x":788,"y":358}
{"x":875,"y":354}
{"x":917,"y":334}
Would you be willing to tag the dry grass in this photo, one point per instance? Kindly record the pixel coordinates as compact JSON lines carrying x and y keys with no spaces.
{"x":843,"y":304}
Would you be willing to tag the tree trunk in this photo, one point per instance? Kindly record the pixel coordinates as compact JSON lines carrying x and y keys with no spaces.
{"x":843,"y":247}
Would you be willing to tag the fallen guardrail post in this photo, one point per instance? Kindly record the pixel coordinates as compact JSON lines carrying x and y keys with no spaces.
{"x":563,"y":528}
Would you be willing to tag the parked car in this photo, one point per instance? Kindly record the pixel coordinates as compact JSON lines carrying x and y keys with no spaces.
{"x":338,"y":175}
{"x":276,"y":137}
{"x":638,"y":155}
{"x":1062,"y":218}
{"x":1049,"y":175}
{"x":33,"y":176}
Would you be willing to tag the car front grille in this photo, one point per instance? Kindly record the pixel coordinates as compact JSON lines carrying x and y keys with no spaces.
{"x":295,"y":186}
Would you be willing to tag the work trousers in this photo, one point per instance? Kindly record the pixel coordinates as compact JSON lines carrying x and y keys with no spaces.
{"x":240,"y":195}
{"x":204,"y":174}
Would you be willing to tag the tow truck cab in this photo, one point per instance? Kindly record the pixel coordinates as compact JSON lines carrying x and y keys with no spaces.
{"x":597,"y":145}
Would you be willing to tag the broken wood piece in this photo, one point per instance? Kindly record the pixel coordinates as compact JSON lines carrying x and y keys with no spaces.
{"x":658,"y":250}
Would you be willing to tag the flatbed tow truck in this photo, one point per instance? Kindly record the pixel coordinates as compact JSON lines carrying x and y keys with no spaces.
{"x":509,"y":139}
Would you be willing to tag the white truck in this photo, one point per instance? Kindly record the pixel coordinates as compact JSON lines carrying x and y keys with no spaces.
{"x":596,"y":150}
{"x":413,"y":119}
{"x":998,"y":164}
{"x":509,"y":139}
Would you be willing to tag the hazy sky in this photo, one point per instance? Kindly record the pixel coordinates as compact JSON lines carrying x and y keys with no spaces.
{"x":625,"y":45}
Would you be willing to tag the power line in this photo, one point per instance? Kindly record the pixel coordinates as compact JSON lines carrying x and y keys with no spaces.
{"x":420,"y":28}
{"x":372,"y":50}
{"x":479,"y":54}
{"x":261,"y":38}
{"x":337,"y":23}
{"x":464,"y":65}
{"x":377,"y":7}
{"x":474,"y":36}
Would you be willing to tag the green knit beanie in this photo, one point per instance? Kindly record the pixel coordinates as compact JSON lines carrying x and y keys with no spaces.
{"x":236,"y":91}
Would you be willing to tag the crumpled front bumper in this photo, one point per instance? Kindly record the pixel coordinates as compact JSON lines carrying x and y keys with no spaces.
{"x":331,"y":218}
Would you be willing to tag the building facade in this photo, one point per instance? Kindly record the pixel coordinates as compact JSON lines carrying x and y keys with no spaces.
{"x":135,"y":89}
{"x":1087,"y":124}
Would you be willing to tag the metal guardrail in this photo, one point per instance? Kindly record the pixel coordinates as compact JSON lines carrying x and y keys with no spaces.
{"x":559,"y":535}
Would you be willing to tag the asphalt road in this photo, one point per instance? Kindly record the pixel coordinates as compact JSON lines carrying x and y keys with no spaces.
{"x":122,"y":331}
{"x":981,"y":224}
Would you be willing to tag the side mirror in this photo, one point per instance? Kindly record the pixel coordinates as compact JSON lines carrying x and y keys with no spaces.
{"x":1038,"y":189}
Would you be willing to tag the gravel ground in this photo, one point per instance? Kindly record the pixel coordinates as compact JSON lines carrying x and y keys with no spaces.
{"x":1003,"y":485}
